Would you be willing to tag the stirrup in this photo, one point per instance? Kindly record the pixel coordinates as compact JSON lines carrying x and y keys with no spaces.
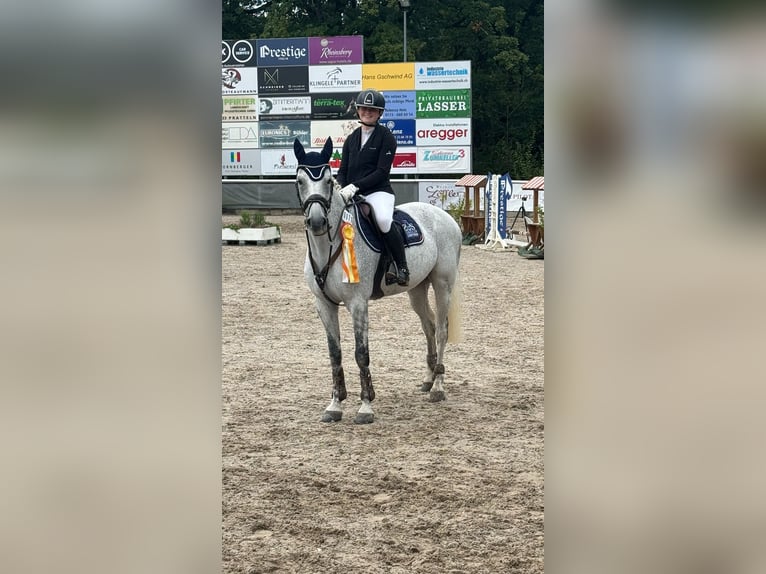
{"x":401,"y":276}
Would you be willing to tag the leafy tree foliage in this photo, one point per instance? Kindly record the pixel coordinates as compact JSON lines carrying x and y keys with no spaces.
{"x":502,"y":38}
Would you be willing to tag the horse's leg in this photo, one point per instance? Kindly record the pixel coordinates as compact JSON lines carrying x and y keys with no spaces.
{"x":329,"y":315}
{"x":419,"y":302}
{"x":362,"y":354}
{"x":442,"y":293}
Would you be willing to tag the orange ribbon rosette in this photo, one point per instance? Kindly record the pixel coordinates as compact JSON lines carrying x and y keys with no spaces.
{"x":350,"y":269}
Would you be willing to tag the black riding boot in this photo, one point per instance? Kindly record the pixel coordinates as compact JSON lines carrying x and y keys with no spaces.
{"x":395,"y":244}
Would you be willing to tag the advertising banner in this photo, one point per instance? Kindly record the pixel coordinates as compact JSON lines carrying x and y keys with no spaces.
{"x":443,"y":75}
{"x":444,"y":159}
{"x":283,"y":80}
{"x":443,"y":104}
{"x":444,"y":132}
{"x":382,"y":77}
{"x":241,"y":162}
{"x":284,"y":108}
{"x":403,"y":130}
{"x":336,"y":50}
{"x":513,"y":203}
{"x":236,"y":53}
{"x":335,"y":78}
{"x":278,"y":162}
{"x":239,"y":81}
{"x":399,"y":106}
{"x":283,"y":134}
{"x":283,"y":52}
{"x":239,"y":135}
{"x":277,"y":89}
{"x":441,"y":193}
{"x":338,"y":106}
{"x":405,"y":161}
{"x":240,"y":109}
{"x":338,"y":130}
{"x":504,"y":190}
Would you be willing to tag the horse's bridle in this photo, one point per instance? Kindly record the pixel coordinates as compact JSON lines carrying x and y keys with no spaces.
{"x":316,"y":173}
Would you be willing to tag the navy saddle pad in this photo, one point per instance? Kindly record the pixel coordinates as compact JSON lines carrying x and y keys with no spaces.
{"x":410,"y":229}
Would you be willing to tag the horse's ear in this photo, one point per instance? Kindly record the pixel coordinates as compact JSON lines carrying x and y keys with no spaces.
{"x":300,"y":153}
{"x":327,"y":150}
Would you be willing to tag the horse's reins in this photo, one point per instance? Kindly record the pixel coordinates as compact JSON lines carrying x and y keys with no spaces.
{"x":316,"y":172}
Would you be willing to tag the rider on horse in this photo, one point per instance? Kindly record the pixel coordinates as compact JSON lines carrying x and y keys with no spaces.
{"x":368,"y":154}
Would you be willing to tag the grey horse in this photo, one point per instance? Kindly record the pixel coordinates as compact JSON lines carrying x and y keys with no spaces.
{"x":329,"y":272}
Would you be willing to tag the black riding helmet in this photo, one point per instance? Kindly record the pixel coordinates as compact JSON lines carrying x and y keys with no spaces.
{"x":371,"y":99}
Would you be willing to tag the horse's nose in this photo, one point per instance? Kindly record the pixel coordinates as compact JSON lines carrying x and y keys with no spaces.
{"x":316,"y":221}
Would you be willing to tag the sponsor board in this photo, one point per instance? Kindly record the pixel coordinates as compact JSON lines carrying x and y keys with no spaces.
{"x":443,"y":104}
{"x":403,"y":130}
{"x":282,"y":52}
{"x":236,"y":53}
{"x":241,"y":162}
{"x":278,"y":162}
{"x":405,"y":161}
{"x":399,"y":106}
{"x":432,"y":132}
{"x":335,"y":78}
{"x":445,"y":159}
{"x":383,"y":77}
{"x":283,"y":80}
{"x":443,"y":75}
{"x":284,"y":107}
{"x":239,"y":81}
{"x":240,"y":109}
{"x":513,"y":203}
{"x":334,"y":106}
{"x":440,"y":193}
{"x":338,"y":130}
{"x":239,"y":135}
{"x":336,"y":50}
{"x":283,"y":134}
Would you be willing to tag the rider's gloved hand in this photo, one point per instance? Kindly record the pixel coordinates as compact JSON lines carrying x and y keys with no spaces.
{"x":348,"y":192}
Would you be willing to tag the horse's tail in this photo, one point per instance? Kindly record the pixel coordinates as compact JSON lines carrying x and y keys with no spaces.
{"x":455,"y":313}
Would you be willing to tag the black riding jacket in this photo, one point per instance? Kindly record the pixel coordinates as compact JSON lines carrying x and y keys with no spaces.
{"x":369,"y":167}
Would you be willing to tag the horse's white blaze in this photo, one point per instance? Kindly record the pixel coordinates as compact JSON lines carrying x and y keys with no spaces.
{"x":335,"y":406}
{"x":366,"y":408}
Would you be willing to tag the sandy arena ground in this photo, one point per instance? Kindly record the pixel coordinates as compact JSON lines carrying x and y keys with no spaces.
{"x":448,"y":488}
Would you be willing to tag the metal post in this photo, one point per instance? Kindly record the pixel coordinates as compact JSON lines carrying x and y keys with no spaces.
{"x":405,"y":36}
{"x":405,"y":5}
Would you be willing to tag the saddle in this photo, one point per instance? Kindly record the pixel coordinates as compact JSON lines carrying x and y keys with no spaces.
{"x":368,"y":227}
{"x":404,"y":224}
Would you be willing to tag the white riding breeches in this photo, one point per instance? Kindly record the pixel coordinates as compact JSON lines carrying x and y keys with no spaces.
{"x":382,"y":204}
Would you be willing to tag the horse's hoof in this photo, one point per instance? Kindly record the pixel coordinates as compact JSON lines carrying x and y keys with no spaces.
{"x":425,"y":387}
{"x":437,"y":396}
{"x":364,"y":418}
{"x":332,"y":416}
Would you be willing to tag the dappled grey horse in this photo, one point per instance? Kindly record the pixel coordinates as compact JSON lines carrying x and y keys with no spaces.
{"x":331,"y":270}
